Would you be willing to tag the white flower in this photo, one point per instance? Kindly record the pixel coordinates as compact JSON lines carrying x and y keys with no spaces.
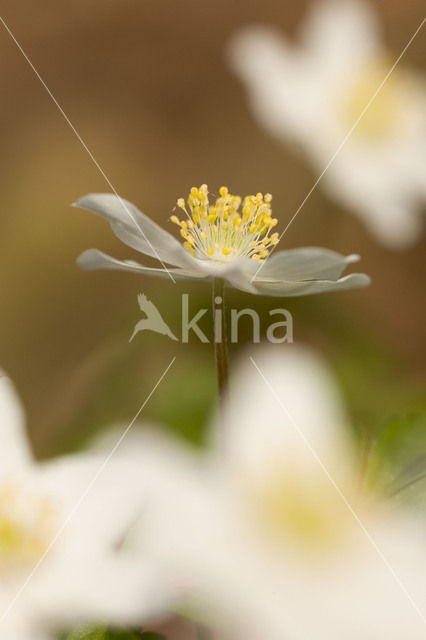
{"x":220,"y":241}
{"x":267,"y":538}
{"x":313,"y":93}
{"x":82,"y":569}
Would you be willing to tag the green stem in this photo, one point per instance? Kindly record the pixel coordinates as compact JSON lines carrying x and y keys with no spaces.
{"x":220,"y":337}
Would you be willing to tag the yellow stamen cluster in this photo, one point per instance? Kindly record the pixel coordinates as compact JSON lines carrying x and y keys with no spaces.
{"x":224,"y":232}
{"x":26,"y":527}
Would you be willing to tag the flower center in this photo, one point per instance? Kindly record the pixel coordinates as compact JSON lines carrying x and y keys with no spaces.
{"x":222,"y":232}
{"x":26,"y":527}
{"x":301,"y":512}
{"x":384,"y":113}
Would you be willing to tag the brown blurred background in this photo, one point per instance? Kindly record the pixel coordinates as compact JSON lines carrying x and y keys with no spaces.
{"x":147,"y":87}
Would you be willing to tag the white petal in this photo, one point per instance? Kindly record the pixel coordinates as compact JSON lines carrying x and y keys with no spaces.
{"x":93,"y":259}
{"x":396,"y":224}
{"x":237,"y":272}
{"x":15,"y":452}
{"x":112,"y":499}
{"x":91,"y":572}
{"x":97,"y":589}
{"x":21,"y":623}
{"x":287,"y":289}
{"x":273,"y":74}
{"x":135,"y":228}
{"x":283,"y":405}
{"x":307,"y":263}
{"x":340,"y":33}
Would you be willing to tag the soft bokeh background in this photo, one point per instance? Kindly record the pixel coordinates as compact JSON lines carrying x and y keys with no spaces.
{"x":147,"y":87}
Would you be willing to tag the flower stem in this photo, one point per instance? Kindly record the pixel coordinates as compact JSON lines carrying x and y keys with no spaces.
{"x":220,"y":337}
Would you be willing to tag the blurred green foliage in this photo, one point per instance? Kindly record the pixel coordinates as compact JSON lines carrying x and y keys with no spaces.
{"x":102,"y":633}
{"x":397,"y":460}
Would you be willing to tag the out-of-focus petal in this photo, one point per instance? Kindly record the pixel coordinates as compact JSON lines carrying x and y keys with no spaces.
{"x":91,"y":573}
{"x":397,"y":224}
{"x":15,"y":452}
{"x":282,"y":401}
{"x":338,"y":33}
{"x":273,"y":72}
{"x":101,"y":590}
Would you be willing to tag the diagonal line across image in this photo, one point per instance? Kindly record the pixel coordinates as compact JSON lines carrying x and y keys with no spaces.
{"x":343,"y":142}
{"x":82,"y":497}
{"x":86,"y":148}
{"x":339,"y":492}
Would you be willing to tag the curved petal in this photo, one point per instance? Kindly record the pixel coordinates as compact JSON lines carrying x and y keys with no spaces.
{"x":288,"y":289}
{"x":15,"y":452}
{"x":306,"y":263}
{"x":135,"y":228}
{"x":93,"y":259}
{"x":338,"y":33}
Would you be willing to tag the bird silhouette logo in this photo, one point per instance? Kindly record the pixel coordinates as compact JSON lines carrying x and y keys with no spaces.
{"x":153,"y":320}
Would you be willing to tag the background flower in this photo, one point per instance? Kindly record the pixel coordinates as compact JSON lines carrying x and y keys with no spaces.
{"x":313,"y":92}
{"x":63,"y":556}
{"x":271,"y":529}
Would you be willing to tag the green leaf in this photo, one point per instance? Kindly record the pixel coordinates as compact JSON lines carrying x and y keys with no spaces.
{"x":121,"y":634}
{"x":85,"y":632}
{"x":398,"y":459}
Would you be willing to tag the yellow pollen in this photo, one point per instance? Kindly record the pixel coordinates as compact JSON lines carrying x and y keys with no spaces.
{"x":385,"y":113}
{"x":221,"y":231}
{"x":300,"y":512}
{"x":27,"y":523}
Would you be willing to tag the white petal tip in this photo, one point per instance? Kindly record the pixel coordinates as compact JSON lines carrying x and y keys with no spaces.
{"x":353,"y":257}
{"x":80,"y":203}
{"x":360,"y":279}
{"x":88,"y":259}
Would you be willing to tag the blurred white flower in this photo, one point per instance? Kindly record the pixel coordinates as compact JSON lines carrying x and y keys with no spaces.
{"x":85,"y":573}
{"x":220,"y":241}
{"x":267,"y":538}
{"x":312,"y":93}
